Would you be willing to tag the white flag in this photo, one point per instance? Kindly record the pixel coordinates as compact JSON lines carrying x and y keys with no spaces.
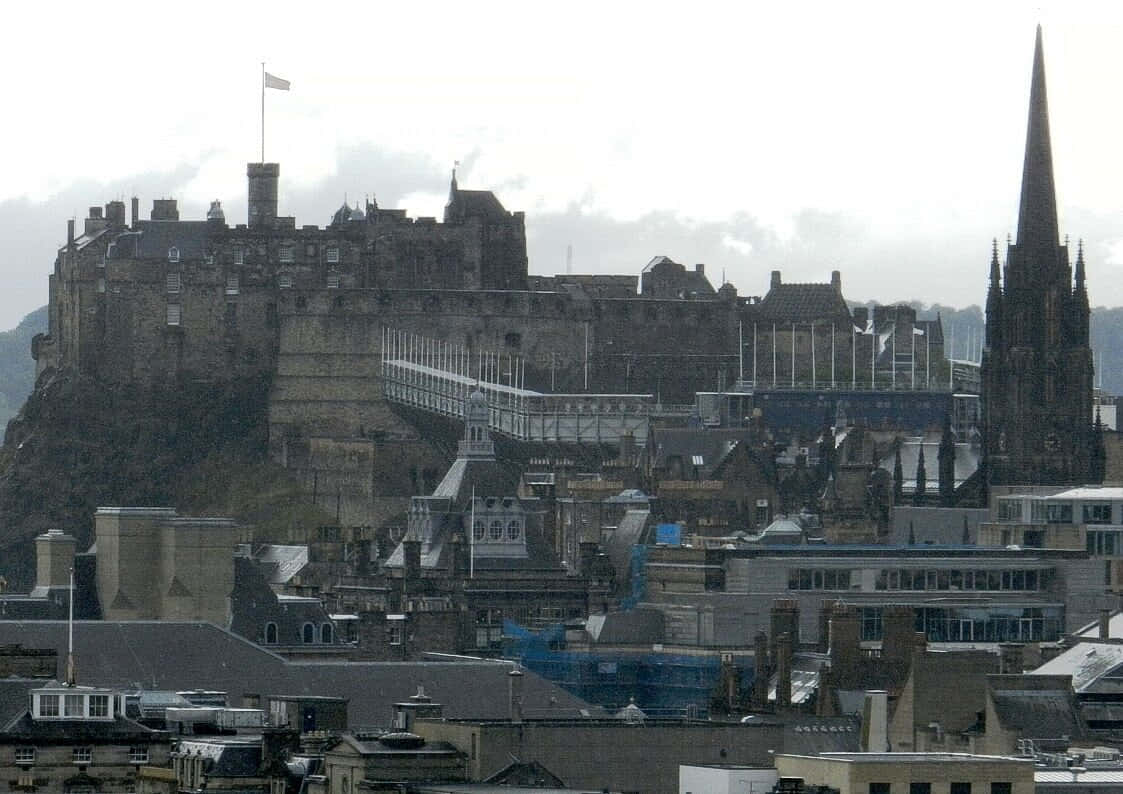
{"x":272,"y":81}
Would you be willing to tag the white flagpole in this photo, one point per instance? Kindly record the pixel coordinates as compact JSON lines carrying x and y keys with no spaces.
{"x":814,"y":382}
{"x":793,"y":355}
{"x":263,"y":112}
{"x":894,"y":362}
{"x":754,"y":356}
{"x":740,"y":352}
{"x":773,"y":355}
{"x":873,"y":354}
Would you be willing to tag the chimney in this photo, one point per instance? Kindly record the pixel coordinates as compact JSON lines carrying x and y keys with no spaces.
{"x":784,"y":670}
{"x":165,"y":210}
{"x":775,"y":279}
{"x":898,"y":625}
{"x":54,"y":557}
{"x":115,"y":214}
{"x":875,"y":722}
{"x":515,"y":694}
{"x":134,"y":211}
{"x":1105,"y":624}
{"x":760,"y":671}
{"x":1010,"y":658}
{"x":836,"y":281}
{"x":70,"y":233}
{"x":700,"y":269}
{"x":411,"y":550}
{"x":845,"y":639}
{"x":785,"y":620}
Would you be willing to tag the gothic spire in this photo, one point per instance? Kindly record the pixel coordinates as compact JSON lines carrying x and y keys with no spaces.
{"x":1037,"y":215}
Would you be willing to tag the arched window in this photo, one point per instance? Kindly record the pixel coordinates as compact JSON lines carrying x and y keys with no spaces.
{"x":173,"y":254}
{"x":478,"y":530}
{"x":270,"y":633}
{"x":325,"y":634}
{"x":496,"y":530}
{"x":309,"y":634}
{"x":514,"y":529}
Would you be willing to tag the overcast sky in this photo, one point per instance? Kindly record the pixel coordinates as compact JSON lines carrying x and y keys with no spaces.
{"x":874,"y":139}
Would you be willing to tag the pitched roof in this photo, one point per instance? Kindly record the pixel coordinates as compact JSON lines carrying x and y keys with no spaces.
{"x":179,"y":656}
{"x":1040,"y":709}
{"x":803,"y":303}
{"x":1089,"y":663}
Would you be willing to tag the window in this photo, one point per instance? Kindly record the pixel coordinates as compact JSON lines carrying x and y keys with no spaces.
{"x":285,"y":253}
{"x":920,"y":788}
{"x":1000,"y":788}
{"x":75,"y":707}
{"x":138,"y":755}
{"x":1059,"y":513}
{"x":333,"y":281}
{"x":1097,"y":513}
{"x":231,"y":316}
{"x":696,"y":460}
{"x":333,"y":255}
{"x":173,"y":314}
{"x":82,"y":755}
{"x":173,"y":283}
{"x":270,"y":633}
{"x":48,"y":705}
{"x":284,"y":281}
{"x":879,"y":788}
{"x":960,"y":788}
{"x":99,"y":705}
{"x":232,"y":284}
{"x":25,"y":755}
{"x":173,"y":254}
{"x":495,"y":531}
{"x":514,"y":530}
{"x":394,"y":630}
{"x":1009,"y":510}
{"x":326,"y":634}
{"x":101,"y":286}
{"x":239,"y":256}
{"x":308,"y":634}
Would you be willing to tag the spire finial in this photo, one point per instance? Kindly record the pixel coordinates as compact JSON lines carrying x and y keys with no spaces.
{"x":1080,"y":265}
{"x":1037,"y":215}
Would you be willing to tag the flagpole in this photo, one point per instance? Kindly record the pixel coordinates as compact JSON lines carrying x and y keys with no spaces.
{"x":263,"y":112}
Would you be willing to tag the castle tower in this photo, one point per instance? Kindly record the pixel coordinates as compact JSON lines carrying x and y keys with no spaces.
{"x":262,"y":193}
{"x":1037,"y":366}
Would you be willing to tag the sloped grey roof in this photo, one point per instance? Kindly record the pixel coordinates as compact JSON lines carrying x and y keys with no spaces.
{"x":1033,"y":712}
{"x":639,"y":626}
{"x":1088,"y":663}
{"x":803,"y":303}
{"x":178,"y":656}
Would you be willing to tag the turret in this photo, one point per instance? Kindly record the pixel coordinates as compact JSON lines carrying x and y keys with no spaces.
{"x":262,"y":193}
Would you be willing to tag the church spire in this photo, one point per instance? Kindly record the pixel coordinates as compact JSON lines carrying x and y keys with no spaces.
{"x":994,"y":299}
{"x":1080,"y":266}
{"x":1037,"y":215}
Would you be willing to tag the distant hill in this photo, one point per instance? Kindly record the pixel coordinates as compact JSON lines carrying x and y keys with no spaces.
{"x":17,"y":369}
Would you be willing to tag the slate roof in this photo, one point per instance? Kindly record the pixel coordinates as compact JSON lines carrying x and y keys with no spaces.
{"x":488,"y":477}
{"x":152,"y":239}
{"x":479,"y":204}
{"x":813,"y":735}
{"x":803,"y":303}
{"x":628,"y":533}
{"x":640,"y":626}
{"x":713,"y":445}
{"x":1039,"y":710}
{"x":179,"y":656}
{"x":119,"y":729}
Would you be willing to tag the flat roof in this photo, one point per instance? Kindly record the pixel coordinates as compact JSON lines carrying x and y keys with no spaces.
{"x":911,"y":758}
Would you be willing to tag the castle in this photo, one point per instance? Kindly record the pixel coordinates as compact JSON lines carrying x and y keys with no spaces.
{"x":166,"y":300}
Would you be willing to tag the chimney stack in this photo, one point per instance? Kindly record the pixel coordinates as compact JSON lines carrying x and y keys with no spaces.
{"x":875,"y":722}
{"x":775,"y":279}
{"x":134,"y":211}
{"x":760,"y":671}
{"x":515,"y":695}
{"x":262,"y":193}
{"x":70,"y":233}
{"x":836,"y":281}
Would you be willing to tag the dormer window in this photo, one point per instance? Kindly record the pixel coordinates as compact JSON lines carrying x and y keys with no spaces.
{"x":99,"y":705}
{"x":270,"y":633}
{"x":326,"y":634}
{"x":25,"y":755}
{"x":478,"y":530}
{"x":514,"y":530}
{"x":308,"y":634}
{"x":173,"y":254}
{"x":495,"y":532}
{"x":73,"y":705}
{"x":48,"y":706}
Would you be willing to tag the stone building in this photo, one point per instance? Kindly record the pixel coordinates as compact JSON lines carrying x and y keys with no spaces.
{"x":1037,"y":364}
